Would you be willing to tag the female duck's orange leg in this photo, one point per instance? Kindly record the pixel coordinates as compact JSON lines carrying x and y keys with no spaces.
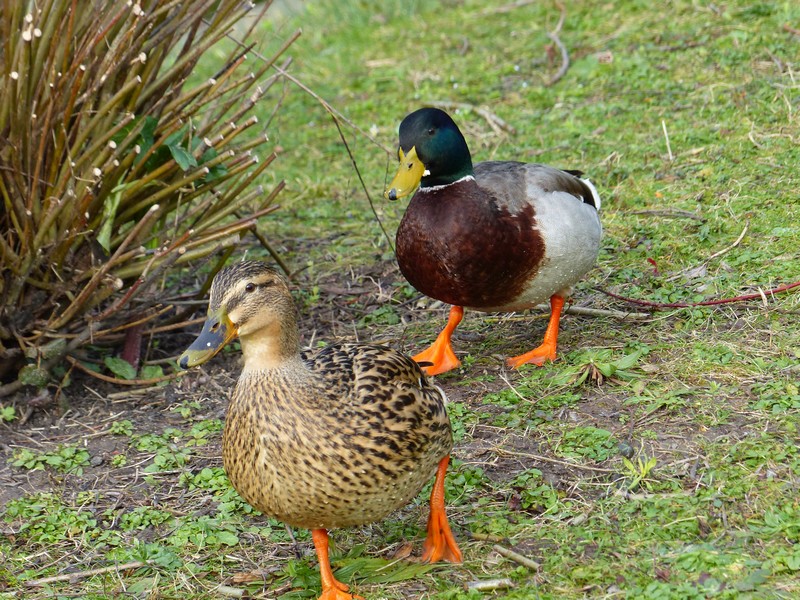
{"x":331,"y":588}
{"x":440,"y":353}
{"x":440,"y":543}
{"x":547,"y":351}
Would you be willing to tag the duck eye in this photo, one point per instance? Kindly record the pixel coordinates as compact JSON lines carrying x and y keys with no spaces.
{"x":250,"y":287}
{"x":431,"y":131}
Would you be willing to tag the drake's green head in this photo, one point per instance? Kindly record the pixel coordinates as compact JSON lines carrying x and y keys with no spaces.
{"x":432,"y":152}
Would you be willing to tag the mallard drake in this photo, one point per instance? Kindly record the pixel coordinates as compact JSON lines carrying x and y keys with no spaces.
{"x":333,"y":438}
{"x":500,"y":236}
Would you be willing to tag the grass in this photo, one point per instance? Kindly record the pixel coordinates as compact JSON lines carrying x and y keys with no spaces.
{"x":657,"y":458}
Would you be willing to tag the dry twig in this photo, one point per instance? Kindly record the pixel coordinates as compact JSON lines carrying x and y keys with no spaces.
{"x":553,"y":35}
{"x":327,"y":106}
{"x":495,"y":122}
{"x":83,"y":574}
{"x":790,"y":29}
{"x":507,"y":8}
{"x":574,"y":310}
{"x":601,"y":312}
{"x":666,"y":137}
{"x":487,"y":585}
{"x":485,"y":537}
{"x":670,"y":213}
{"x":505,"y":452}
{"x":516,"y":557}
{"x":760,"y":295}
{"x":732,"y":246}
{"x":337,"y":118}
{"x":117,"y":381}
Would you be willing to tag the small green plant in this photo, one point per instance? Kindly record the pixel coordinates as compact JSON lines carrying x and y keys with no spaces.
{"x":204,"y":531}
{"x":123,"y":427}
{"x":120,"y":367}
{"x":781,"y":521}
{"x":208,"y":478}
{"x":201,"y":432}
{"x":186,"y":409}
{"x":670,"y":401}
{"x":637,"y":473}
{"x":776,"y":396}
{"x":383,"y":315}
{"x":46,"y":519}
{"x":7,"y":413}
{"x":600,"y":365}
{"x":535,"y":495}
{"x":784,"y":561}
{"x":463,"y":481}
{"x":67,"y":459}
{"x":119,"y":460}
{"x":153,"y":442}
{"x":152,"y":372}
{"x":143,"y":517}
{"x":167,"y":449}
{"x":587,"y":442}
{"x":460,"y":416}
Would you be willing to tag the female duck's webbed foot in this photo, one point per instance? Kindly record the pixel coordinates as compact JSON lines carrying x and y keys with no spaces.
{"x":547,"y":351}
{"x":440,"y":357}
{"x":440,"y":543}
{"x":331,"y":588}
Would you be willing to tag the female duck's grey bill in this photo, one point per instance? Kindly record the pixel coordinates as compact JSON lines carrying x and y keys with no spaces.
{"x":212,"y":339}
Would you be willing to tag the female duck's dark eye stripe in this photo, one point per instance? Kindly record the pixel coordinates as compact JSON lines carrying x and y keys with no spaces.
{"x":234,"y":303}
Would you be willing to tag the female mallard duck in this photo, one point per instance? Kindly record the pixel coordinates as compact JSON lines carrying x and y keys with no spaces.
{"x":502,"y":236}
{"x":335,"y":438}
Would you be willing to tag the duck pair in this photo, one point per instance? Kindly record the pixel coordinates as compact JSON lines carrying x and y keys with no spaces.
{"x":347,"y":434}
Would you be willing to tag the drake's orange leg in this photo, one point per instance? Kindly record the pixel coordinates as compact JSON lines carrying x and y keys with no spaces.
{"x":331,"y":588}
{"x":547,"y":351}
{"x":440,"y":543}
{"x":440,"y":353}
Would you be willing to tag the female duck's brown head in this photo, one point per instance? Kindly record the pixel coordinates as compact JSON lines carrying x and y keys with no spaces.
{"x":251,"y":301}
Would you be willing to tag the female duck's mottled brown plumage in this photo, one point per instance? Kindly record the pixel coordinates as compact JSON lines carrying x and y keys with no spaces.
{"x":333,"y":438}
{"x":356,"y":426}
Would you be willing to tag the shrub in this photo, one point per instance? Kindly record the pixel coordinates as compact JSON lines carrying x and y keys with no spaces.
{"x":115,"y":165}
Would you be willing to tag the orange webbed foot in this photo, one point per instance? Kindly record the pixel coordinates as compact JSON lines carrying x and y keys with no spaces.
{"x":332,"y":589}
{"x":547,"y":350}
{"x":438,"y":358}
{"x":537,"y":356}
{"x":336,"y":593}
{"x":440,"y":543}
{"x":440,"y":354}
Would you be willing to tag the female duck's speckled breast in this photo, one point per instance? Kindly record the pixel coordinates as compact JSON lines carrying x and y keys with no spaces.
{"x":317,"y":461}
